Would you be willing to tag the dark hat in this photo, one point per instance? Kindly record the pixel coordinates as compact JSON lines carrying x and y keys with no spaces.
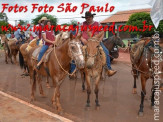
{"x":88,"y":14}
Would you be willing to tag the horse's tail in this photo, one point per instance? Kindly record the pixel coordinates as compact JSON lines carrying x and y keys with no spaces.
{"x":21,"y":60}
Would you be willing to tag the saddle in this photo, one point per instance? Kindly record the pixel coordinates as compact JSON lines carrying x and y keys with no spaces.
{"x":45,"y":56}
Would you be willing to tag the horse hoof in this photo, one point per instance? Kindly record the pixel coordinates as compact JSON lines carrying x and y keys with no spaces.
{"x":97,"y":107}
{"x":43,"y":95}
{"x":60,"y":112}
{"x":134,"y":91}
{"x":48,"y":86}
{"x":32,"y":99}
{"x":141,"y":114}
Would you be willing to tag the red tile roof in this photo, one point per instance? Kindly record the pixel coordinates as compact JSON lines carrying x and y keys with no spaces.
{"x":123,"y":16}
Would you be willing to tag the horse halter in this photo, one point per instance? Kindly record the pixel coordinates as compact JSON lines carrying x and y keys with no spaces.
{"x":72,"y":53}
{"x":92,"y":56}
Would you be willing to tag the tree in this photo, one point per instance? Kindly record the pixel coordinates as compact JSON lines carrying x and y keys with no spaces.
{"x":3,"y":23}
{"x":53,"y":19}
{"x":4,"y":17}
{"x":71,"y":23}
{"x":137,"y":20}
{"x":21,"y":22}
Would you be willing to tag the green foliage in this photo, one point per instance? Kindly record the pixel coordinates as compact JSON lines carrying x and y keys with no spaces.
{"x":3,"y":23}
{"x":53,"y":19}
{"x":21,"y":22}
{"x":71,"y":23}
{"x":137,"y":20}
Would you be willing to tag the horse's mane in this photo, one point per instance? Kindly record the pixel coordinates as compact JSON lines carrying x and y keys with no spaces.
{"x":108,"y":40}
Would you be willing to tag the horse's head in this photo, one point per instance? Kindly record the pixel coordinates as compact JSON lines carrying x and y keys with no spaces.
{"x":117,"y":41}
{"x":61,"y":37}
{"x":75,"y":49}
{"x":92,"y":49}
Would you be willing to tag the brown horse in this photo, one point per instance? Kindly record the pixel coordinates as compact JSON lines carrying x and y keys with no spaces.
{"x":94,"y":61}
{"x":112,"y":42}
{"x":25,"y":59}
{"x":146,"y":68}
{"x":57,"y":66}
{"x":6,"y":48}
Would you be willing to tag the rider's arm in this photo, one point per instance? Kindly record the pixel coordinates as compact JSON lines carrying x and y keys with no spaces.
{"x":101,"y":38}
{"x":83,"y":40}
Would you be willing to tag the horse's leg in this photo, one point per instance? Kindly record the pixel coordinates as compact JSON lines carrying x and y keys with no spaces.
{"x":6,"y":56}
{"x":135,"y":75}
{"x":33,"y":84}
{"x":47,"y":82}
{"x":83,"y":80}
{"x":11,"y":58}
{"x":55,"y":92}
{"x":15,"y":61}
{"x":40,"y":85}
{"x":59,"y":108}
{"x":152,"y":96}
{"x":96,"y":91}
{"x":143,"y":93}
{"x":88,"y":90}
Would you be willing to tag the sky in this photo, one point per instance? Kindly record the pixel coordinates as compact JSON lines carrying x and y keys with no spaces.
{"x":120,"y":5}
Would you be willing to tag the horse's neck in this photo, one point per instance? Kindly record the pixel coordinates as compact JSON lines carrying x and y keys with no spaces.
{"x":63,"y":51}
{"x":109,"y":45}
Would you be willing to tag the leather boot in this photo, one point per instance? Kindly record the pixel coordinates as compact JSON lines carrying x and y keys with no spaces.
{"x":111,"y":72}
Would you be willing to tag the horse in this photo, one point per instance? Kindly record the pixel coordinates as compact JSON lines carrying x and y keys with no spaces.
{"x":109,"y":43}
{"x":6,"y":48}
{"x":25,"y":60}
{"x":94,"y":61}
{"x":145,"y":67}
{"x":112,"y":42}
{"x":58,"y":65}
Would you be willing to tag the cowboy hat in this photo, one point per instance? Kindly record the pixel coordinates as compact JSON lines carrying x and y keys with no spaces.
{"x":88,"y":14}
{"x":43,"y":18}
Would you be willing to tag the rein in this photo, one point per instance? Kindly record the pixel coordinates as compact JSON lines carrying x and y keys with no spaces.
{"x":61,"y":65}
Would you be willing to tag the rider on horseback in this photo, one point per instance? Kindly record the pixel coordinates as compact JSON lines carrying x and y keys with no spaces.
{"x":48,"y":37}
{"x":35,"y":37}
{"x":90,"y":22}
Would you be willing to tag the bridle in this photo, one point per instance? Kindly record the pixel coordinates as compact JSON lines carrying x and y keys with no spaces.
{"x":70,"y":54}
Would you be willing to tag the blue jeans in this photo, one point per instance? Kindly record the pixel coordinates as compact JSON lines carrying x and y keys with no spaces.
{"x":42,"y":51}
{"x":72,"y":66}
{"x":106,"y":51}
{"x":38,"y":41}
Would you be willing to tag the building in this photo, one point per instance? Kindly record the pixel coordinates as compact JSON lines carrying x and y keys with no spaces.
{"x":120,"y":18}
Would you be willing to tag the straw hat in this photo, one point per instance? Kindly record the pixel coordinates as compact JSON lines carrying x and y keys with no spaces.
{"x":43,"y":18}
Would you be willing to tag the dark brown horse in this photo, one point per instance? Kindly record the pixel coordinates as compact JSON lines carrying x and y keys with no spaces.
{"x":58,"y":66}
{"x":146,"y":68}
{"x":112,"y":42}
{"x":94,"y":61}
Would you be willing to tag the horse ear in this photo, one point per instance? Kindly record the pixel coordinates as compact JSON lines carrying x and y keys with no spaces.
{"x":100,"y":34}
{"x":79,"y":35}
